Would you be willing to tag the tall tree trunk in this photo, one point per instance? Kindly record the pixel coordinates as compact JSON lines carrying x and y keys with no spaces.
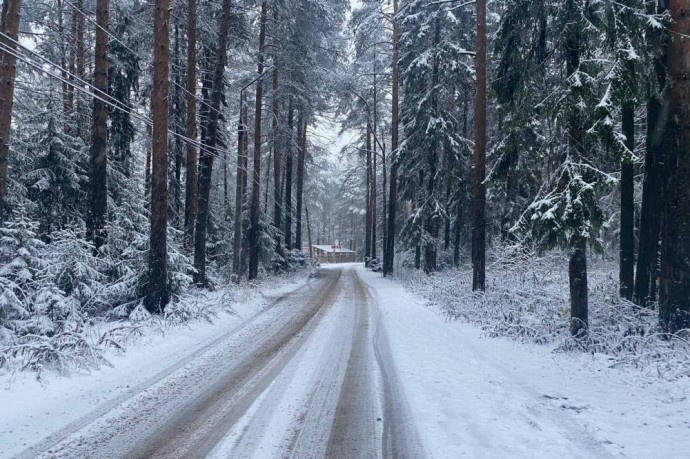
{"x":267,"y":180}
{"x":374,"y":192}
{"x":79,"y":66}
{"x":277,"y":158}
{"x":99,"y":133}
{"x":301,"y":153}
{"x":311,"y":248}
{"x":627,"y":229}
{"x":288,"y":180}
{"x":178,"y":120}
{"x":147,"y":166}
{"x":67,"y":89}
{"x":389,"y":252}
{"x":577,"y":274}
{"x":256,"y":181}
{"x":652,"y":187}
{"x":674,"y":291}
{"x":384,"y":203}
{"x":576,"y":132}
{"x":652,"y":205}
{"x":192,"y":187}
{"x":206,"y":159}
{"x":367,"y":236}
{"x":157,"y":296}
{"x":431,"y":225}
{"x":479,"y":162}
{"x":70,"y":55}
{"x":240,"y":188}
{"x":9,"y":25}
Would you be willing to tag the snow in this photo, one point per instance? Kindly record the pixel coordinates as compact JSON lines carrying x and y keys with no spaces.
{"x":474,"y":396}
{"x":466,"y":394}
{"x":33,"y":409}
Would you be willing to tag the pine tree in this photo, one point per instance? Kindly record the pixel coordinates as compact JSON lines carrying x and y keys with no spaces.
{"x":98,"y":206}
{"x":479,"y":163}
{"x":256,"y":179}
{"x":157,"y":297}
{"x":9,"y":27}
{"x":212,"y":140}
{"x":674,"y":290}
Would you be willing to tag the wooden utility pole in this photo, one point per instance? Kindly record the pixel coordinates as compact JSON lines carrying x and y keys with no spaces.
{"x":157,"y":296}
{"x":479,"y":160}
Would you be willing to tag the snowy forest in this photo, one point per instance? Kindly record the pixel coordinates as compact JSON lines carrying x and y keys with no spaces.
{"x":148,"y":149}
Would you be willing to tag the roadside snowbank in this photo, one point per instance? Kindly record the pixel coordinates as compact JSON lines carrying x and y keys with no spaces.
{"x":528,"y":300}
{"x":478,"y":397}
{"x":32,"y":408}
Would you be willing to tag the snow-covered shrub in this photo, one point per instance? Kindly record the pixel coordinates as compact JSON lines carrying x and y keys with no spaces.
{"x":527,"y":298}
{"x":19,"y":265}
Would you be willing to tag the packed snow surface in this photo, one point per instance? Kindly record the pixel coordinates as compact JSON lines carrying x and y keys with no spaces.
{"x":347,"y":364}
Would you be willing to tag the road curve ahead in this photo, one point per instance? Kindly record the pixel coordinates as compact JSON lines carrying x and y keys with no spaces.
{"x":309,"y":377}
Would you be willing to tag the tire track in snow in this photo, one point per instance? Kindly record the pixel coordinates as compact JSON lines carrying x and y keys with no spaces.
{"x":62,"y":434}
{"x":114,"y":429}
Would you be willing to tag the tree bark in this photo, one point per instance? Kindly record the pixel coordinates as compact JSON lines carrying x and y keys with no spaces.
{"x":277,"y":159}
{"x":389,"y":252}
{"x":311,"y":248}
{"x":627,"y":228}
{"x":178,"y":120}
{"x":98,"y":197}
{"x":652,"y":186}
{"x":79,"y":66}
{"x":479,"y":162}
{"x":652,"y":205}
{"x":367,"y":236}
{"x":240,"y":189}
{"x":578,"y":261}
{"x":373,"y":193}
{"x":301,"y":154}
{"x":67,"y":89}
{"x":288,"y":180}
{"x":577,"y":274}
{"x":431,"y":225}
{"x":192,"y":186}
{"x":255,"y":229}
{"x":674,"y":291}
{"x":157,"y":295}
{"x":206,"y":159}
{"x":9,"y":25}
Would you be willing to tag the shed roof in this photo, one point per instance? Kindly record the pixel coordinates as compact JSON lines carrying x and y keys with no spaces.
{"x":329,"y":249}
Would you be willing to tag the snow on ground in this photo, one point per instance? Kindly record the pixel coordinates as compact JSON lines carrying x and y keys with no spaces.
{"x":31,"y":409}
{"x":474,"y":396}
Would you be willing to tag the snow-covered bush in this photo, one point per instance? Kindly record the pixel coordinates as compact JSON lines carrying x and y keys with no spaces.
{"x":527,"y":299}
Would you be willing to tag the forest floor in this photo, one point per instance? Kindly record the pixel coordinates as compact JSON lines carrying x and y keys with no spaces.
{"x":345,"y":364}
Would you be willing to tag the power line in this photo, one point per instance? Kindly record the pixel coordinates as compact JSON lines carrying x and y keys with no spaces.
{"x":201,"y":101}
{"x":6,"y":48}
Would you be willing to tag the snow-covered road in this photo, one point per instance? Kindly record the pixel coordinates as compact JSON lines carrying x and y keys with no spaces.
{"x":351,"y":366}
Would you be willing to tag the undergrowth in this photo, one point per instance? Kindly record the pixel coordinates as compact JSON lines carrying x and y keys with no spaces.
{"x":527,"y":299}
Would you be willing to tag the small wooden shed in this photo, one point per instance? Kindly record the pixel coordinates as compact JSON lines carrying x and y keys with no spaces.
{"x":333,"y":254}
